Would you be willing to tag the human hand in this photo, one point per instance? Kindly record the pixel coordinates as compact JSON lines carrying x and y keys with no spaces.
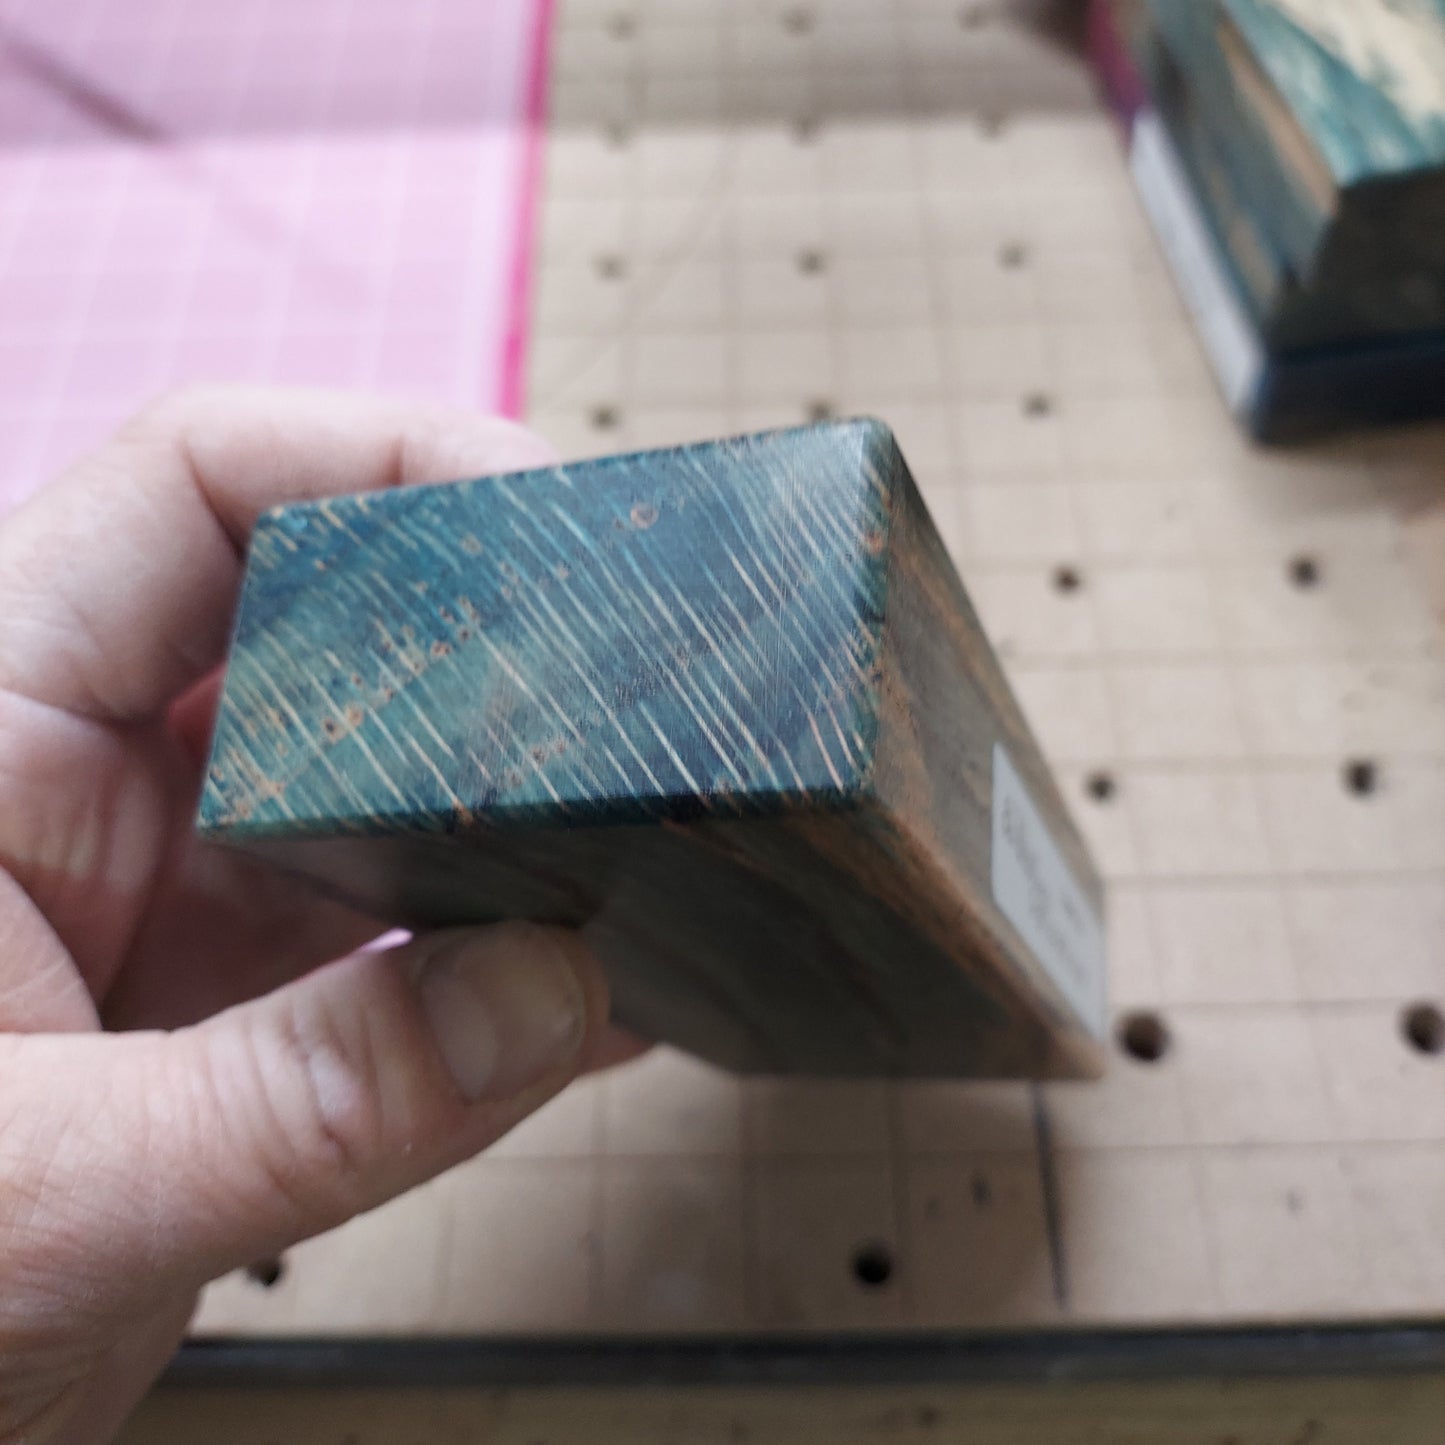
{"x":183,"y":1089}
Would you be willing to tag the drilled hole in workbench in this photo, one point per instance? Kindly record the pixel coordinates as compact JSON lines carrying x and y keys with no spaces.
{"x":1101,"y":786}
{"x":621,"y":26}
{"x":819,"y":411}
{"x":1067,"y":579}
{"x":611,"y":268}
{"x":1424,"y":1028}
{"x":266,"y":1272}
{"x":605,"y":418}
{"x":1012,"y":255}
{"x":1361,"y":777}
{"x":1304,"y":572}
{"x":811,"y":262}
{"x":1038,"y":403}
{"x":798,"y":22}
{"x":1143,"y":1036}
{"x":873,"y":1264}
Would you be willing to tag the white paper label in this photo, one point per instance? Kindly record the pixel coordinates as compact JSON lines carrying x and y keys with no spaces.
{"x":1224,"y":328}
{"x":1037,"y":892}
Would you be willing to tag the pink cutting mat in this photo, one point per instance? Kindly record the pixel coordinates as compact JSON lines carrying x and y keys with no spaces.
{"x":333,"y":192}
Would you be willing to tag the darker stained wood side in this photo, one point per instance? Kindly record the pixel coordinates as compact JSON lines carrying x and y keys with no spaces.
{"x":946,"y":703}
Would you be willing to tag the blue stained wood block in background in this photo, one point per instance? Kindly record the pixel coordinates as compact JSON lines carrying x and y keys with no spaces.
{"x":726,"y":707}
{"x":1320,"y":125}
{"x":1365,"y":79}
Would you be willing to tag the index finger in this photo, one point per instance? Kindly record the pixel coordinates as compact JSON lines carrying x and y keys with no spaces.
{"x":118,"y":581}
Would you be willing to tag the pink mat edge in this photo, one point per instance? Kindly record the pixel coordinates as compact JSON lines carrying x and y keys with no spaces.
{"x":513,"y":398}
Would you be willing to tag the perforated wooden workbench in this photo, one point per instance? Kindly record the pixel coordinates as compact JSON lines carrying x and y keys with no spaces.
{"x":760,"y":212}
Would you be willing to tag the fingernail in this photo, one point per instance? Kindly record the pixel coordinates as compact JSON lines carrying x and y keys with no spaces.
{"x":506,"y":1006}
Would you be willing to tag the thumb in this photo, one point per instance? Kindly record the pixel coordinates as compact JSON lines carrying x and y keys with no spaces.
{"x":167,"y":1159}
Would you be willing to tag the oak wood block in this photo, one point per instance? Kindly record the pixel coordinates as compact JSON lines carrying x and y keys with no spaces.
{"x":726,"y":706}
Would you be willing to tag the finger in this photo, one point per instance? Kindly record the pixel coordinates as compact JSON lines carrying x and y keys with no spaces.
{"x":117,"y":1382}
{"x":163,"y":1160}
{"x":40,"y":989}
{"x":95,"y":831}
{"x":245,"y":928}
{"x":617,"y":1046}
{"x":193,"y":716}
{"x":117,"y":583}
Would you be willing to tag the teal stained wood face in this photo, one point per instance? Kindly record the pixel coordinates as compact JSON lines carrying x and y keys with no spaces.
{"x":726,"y":707}
{"x":616,"y":642}
{"x":1364,"y":78}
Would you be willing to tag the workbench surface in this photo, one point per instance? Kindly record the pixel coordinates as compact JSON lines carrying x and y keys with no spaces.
{"x":756,"y":213}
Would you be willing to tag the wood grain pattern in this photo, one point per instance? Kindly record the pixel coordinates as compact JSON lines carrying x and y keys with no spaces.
{"x":727,"y":707}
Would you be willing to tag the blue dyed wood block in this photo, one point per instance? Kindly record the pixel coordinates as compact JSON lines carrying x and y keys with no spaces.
{"x":1320,"y":127}
{"x":1219,"y":259}
{"x":726,"y":707}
